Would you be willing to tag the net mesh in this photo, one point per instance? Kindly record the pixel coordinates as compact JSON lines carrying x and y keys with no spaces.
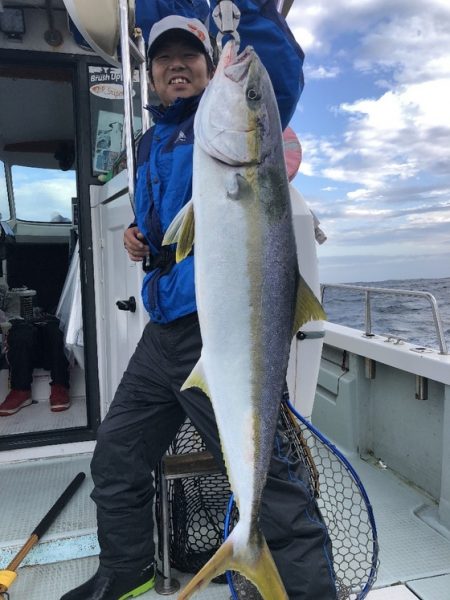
{"x":198,"y":508}
{"x":345,"y":507}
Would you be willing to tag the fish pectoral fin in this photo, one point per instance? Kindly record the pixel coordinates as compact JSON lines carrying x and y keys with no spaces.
{"x":238,"y":188}
{"x":181,"y":232}
{"x":307,"y":306}
{"x":197,"y":378}
{"x":255,"y":563}
{"x":172,"y":234}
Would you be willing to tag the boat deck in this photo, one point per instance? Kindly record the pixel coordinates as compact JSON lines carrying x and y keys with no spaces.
{"x":414,"y":555}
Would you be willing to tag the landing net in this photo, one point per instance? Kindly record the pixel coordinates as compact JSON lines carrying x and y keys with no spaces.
{"x":343,"y":503}
{"x":345,"y":506}
{"x":200,"y":509}
{"x":197,"y":509}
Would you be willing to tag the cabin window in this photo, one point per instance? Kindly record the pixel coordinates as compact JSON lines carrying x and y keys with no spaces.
{"x":4,"y":204}
{"x":43,"y":195}
{"x":106,"y":100}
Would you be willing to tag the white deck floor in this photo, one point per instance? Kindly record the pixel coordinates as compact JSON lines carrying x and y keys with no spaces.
{"x":50,"y":582}
{"x":39,"y":417}
{"x":414,"y":558}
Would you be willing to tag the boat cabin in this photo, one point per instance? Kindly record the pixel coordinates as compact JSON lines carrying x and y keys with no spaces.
{"x":61,"y":136}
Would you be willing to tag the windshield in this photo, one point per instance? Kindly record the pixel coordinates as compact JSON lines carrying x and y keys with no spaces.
{"x":4,"y":205}
{"x":43,"y":195}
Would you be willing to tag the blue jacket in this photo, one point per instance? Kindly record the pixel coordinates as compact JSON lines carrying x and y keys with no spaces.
{"x":164,"y":161}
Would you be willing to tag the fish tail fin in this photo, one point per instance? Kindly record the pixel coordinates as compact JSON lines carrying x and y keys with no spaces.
{"x":263,"y":573}
{"x":255,"y":563}
{"x":218,"y":564}
{"x":307,"y":307}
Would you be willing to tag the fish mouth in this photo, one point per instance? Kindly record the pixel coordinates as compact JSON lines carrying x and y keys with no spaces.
{"x":236,"y":66}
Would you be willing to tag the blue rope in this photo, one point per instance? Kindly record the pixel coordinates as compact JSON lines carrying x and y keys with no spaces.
{"x":226,"y":532}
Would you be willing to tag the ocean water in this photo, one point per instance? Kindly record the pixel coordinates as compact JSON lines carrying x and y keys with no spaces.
{"x":406,"y":317}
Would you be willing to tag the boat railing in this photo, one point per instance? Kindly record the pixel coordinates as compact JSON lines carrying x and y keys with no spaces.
{"x":368,"y":291}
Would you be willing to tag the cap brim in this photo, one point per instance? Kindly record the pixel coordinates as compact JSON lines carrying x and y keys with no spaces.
{"x":179,"y":34}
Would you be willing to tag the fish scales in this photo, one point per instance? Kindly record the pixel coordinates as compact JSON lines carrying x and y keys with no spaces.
{"x":247,"y":289}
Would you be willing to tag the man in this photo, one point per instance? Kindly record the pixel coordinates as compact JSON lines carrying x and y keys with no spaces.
{"x":29,"y":345}
{"x":149,"y":407}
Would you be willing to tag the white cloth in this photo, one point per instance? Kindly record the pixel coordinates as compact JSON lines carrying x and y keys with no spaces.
{"x":69,"y":311}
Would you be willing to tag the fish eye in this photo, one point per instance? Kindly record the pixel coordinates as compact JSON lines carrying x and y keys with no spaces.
{"x":253,"y":94}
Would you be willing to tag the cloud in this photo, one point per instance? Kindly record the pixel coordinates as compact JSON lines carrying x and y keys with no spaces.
{"x":383,"y":156}
{"x":380,"y":25}
{"x":321,"y":72}
{"x":375,"y":266}
{"x":397,"y":136}
{"x":414,"y":48}
{"x":37,"y":200}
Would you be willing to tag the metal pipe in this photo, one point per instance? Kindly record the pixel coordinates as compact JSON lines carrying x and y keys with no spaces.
{"x":143,"y":81}
{"x":397,"y":292}
{"x":437,"y":322}
{"x":368,"y":315}
{"x":421,"y":388}
{"x":370,"y":368}
{"x":127,"y":77}
{"x":168,"y":585}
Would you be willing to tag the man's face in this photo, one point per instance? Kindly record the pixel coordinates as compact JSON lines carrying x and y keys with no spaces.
{"x":179,"y":70}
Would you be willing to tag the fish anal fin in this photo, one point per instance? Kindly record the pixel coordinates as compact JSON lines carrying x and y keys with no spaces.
{"x":197,"y":378}
{"x":181,"y":231}
{"x":307,"y":306}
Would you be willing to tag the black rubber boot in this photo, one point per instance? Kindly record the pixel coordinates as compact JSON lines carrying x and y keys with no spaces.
{"x":107,"y":584}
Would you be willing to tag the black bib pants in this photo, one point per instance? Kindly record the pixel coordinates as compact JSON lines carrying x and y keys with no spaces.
{"x":145,"y":415}
{"x":38,"y":344}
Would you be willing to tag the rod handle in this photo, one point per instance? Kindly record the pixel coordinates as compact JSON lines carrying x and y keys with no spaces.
{"x":70,"y":490}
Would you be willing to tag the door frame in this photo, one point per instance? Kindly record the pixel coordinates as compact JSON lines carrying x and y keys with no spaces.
{"x":79,"y":66}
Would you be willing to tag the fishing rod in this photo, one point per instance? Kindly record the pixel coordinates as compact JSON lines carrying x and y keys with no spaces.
{"x":8,"y":575}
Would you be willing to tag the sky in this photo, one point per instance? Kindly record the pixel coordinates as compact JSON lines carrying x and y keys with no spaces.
{"x":42,"y":194}
{"x":374,"y":124}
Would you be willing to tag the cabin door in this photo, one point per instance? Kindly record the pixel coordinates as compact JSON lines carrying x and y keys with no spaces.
{"x":121,"y":315}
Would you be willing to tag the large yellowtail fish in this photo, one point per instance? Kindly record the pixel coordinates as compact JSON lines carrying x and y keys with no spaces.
{"x":251,"y":297}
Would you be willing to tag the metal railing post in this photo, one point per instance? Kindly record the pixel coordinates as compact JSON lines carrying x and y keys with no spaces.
{"x":368,"y":315}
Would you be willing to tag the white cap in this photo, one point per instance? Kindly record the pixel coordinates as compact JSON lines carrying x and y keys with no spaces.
{"x":190,"y":25}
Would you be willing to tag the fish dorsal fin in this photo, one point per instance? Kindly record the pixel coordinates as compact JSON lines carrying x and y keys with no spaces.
{"x":307,"y":306}
{"x":181,"y":231}
{"x":197,"y":378}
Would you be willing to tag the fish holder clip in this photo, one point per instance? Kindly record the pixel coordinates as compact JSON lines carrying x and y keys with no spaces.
{"x":226,"y":16}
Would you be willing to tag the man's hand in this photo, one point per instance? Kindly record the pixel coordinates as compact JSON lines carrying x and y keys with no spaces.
{"x":134,"y":243}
